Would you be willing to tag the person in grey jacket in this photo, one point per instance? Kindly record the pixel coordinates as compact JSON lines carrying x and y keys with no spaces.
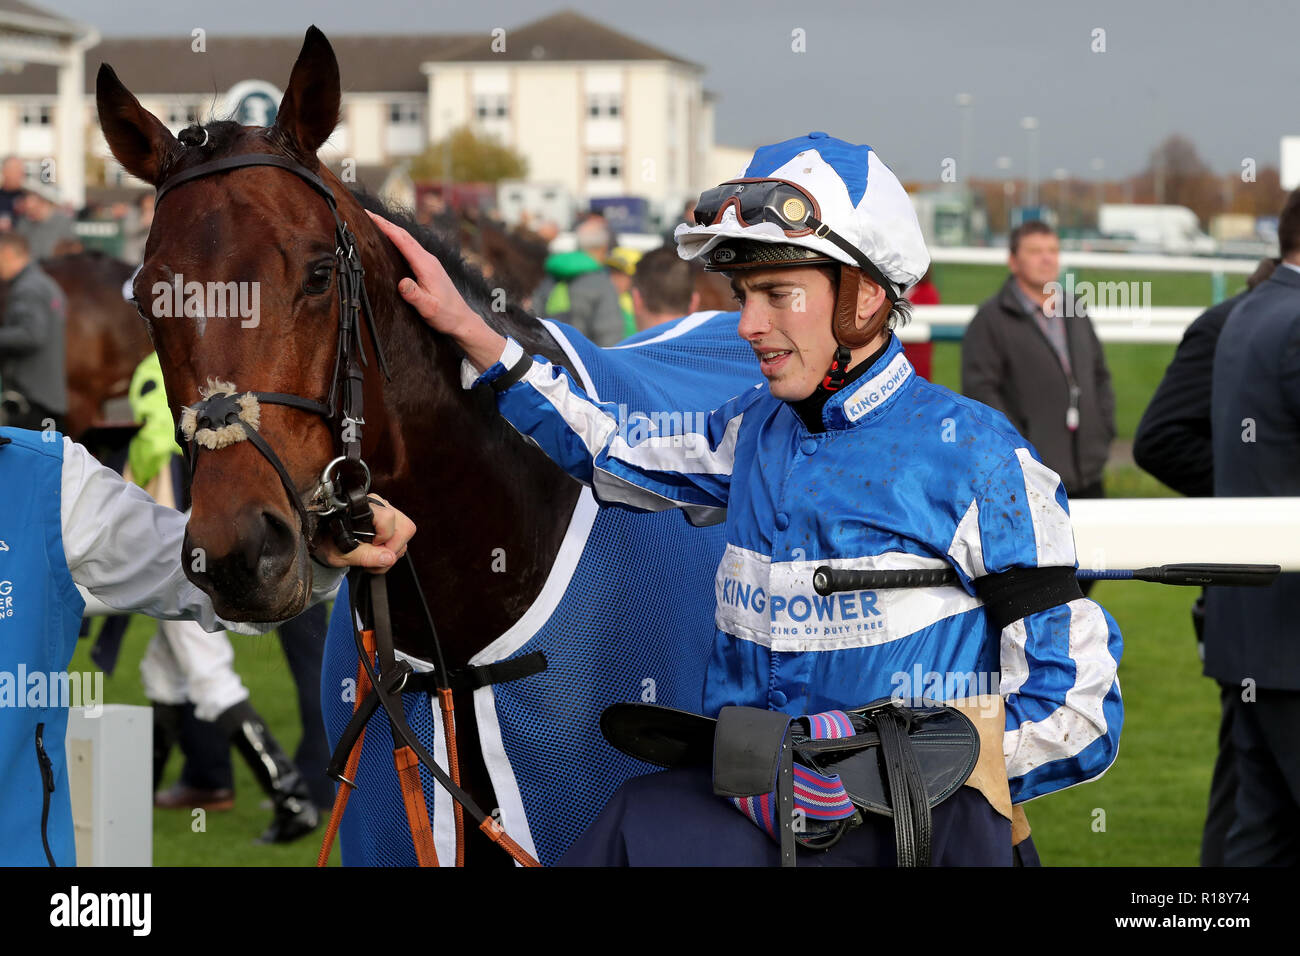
{"x":577,"y":288}
{"x":33,"y":379}
{"x":45,"y":224}
{"x":1034,"y":356}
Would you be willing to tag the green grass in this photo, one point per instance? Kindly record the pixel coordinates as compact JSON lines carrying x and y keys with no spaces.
{"x":962,"y":284}
{"x":1153,"y":797}
{"x":228,"y":839}
{"x":1135,"y":371}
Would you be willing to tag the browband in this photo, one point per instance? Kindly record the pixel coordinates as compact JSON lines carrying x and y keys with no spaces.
{"x":245,"y":159}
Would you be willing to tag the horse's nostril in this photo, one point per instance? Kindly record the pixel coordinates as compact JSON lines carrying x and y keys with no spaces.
{"x":279,"y":536}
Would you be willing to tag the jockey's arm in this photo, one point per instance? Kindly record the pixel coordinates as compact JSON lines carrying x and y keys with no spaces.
{"x":1059,"y":652}
{"x":630,"y":461}
{"x":622,"y":463}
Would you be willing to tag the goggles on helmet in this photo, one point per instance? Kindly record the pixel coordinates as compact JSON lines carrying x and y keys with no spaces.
{"x":786,"y":205}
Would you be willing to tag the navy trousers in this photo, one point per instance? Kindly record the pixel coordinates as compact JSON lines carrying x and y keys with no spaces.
{"x":1266,"y":831}
{"x":672,"y":818}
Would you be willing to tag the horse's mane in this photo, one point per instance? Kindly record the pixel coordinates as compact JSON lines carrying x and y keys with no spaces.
{"x":480,"y":296}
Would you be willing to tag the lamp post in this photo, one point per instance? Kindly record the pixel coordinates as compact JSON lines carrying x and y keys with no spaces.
{"x":1008,"y":185}
{"x":1060,"y":174}
{"x":1030,"y":125}
{"x":1098,"y":164}
{"x":964,"y":103}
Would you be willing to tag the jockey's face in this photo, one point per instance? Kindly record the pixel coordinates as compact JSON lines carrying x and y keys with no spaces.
{"x":786,"y":318}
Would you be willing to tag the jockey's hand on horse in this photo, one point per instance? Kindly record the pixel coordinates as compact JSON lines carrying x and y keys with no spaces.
{"x":439,"y":303}
{"x":393,"y":530}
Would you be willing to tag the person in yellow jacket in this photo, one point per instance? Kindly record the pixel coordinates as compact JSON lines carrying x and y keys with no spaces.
{"x":622,"y":263}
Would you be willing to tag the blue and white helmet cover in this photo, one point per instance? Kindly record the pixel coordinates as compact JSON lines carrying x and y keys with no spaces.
{"x":860,"y":198}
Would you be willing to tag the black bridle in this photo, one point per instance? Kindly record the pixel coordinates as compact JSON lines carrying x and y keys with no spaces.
{"x":340,"y":493}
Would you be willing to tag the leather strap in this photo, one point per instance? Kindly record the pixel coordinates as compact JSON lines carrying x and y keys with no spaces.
{"x":752,"y":755}
{"x":1020,"y":592}
{"x":907,"y":796}
{"x":513,"y":374}
{"x":244,"y":159}
{"x":480,"y":675}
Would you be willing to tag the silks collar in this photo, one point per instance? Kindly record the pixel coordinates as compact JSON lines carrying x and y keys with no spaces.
{"x":888,"y":374}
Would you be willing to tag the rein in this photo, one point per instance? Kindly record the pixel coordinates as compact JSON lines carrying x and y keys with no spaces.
{"x":224,"y":416}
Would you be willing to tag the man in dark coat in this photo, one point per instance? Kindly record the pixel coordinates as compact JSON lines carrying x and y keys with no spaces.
{"x":1251,"y":633}
{"x":1035,"y":357}
{"x":33,"y":380}
{"x":1174,"y":443}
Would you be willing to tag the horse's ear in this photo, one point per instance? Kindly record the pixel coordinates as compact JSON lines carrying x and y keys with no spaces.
{"x":136,"y":137}
{"x":310,"y":108}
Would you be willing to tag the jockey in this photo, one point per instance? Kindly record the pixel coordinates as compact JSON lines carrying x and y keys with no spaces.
{"x":843,"y":457}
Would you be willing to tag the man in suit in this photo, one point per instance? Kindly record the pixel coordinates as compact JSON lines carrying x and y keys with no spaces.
{"x":1251,"y":634}
{"x":1034,"y":356}
{"x":1174,"y":443}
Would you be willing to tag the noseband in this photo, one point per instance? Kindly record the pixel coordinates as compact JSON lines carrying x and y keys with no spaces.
{"x":224,"y":415}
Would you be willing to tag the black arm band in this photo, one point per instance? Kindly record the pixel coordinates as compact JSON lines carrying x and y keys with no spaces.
{"x":1020,"y":592}
{"x":514,"y":373}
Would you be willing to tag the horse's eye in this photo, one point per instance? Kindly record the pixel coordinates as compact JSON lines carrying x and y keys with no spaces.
{"x":319,"y":279}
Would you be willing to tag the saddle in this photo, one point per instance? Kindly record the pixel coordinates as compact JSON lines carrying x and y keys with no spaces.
{"x":809,"y":780}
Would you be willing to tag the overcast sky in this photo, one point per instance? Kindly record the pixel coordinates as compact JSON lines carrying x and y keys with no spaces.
{"x":1225,"y":74}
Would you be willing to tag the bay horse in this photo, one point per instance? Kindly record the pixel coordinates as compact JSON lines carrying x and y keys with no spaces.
{"x":471,"y":484}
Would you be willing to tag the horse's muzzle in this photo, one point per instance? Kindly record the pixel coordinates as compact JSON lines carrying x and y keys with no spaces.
{"x":262,"y":575}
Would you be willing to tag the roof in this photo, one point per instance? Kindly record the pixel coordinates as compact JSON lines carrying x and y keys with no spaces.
{"x":26,"y":16}
{"x":165,"y":64}
{"x":566,"y":35}
{"x":27,"y":10}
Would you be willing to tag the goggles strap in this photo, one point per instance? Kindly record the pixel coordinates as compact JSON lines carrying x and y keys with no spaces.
{"x":823,"y":231}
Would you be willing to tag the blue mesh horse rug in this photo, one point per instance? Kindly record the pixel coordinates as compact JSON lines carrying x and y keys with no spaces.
{"x":626,"y":614}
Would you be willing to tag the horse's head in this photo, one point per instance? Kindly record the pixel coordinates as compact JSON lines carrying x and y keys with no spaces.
{"x":240,"y":285}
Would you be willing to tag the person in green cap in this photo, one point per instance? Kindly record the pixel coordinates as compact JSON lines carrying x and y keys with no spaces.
{"x":578,"y":289}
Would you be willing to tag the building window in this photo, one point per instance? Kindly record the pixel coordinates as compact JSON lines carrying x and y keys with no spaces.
{"x":404,"y":114}
{"x":181,"y":116}
{"x":489,"y":105}
{"x":605,"y":165}
{"x":35,"y":116}
{"x":604,"y":105}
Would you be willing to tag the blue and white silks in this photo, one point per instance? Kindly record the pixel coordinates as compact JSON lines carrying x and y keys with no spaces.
{"x":907,"y":474}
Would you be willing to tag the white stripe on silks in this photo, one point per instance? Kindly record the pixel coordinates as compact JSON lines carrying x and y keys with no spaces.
{"x":1070,"y":729}
{"x":686,"y":454}
{"x":1014,"y":664}
{"x":610,"y":487}
{"x":1053,"y":534}
{"x":591,"y":425}
{"x":690,"y":322}
{"x":967,"y":548}
{"x":901,"y":612}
